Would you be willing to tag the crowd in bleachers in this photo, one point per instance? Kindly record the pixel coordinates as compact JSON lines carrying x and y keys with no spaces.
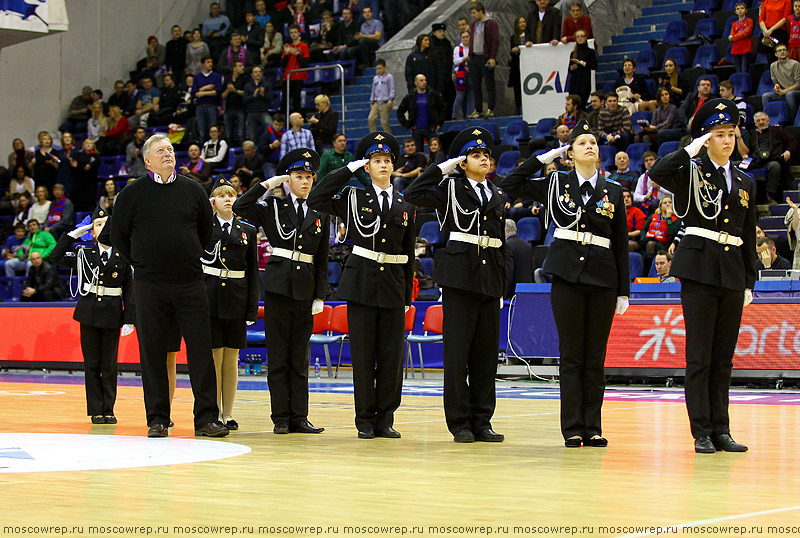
{"x":220,"y":91}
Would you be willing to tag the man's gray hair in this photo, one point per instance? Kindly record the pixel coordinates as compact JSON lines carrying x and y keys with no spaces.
{"x":248,"y":144}
{"x":511,"y":227}
{"x":150,"y":141}
{"x":758,"y":114}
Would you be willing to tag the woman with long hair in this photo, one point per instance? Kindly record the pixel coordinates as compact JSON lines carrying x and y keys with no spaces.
{"x":675,"y":82}
{"x":45,"y":161}
{"x":21,"y":182}
{"x":419,"y":62}
{"x":20,"y":156}
{"x":98,"y":123}
{"x":196,"y":50}
{"x":582,"y":61}
{"x":659,"y":232}
{"x":110,"y":192}
{"x":85,"y":163}
{"x":117,"y":133}
{"x":40,"y":208}
{"x":664,"y":117}
{"x":273,"y":46}
{"x":517,"y":40}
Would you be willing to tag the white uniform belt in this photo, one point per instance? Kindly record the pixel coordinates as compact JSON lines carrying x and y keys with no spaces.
{"x":293,"y":255}
{"x":723,"y":238}
{"x":582,"y":237}
{"x":102,"y":291}
{"x":481,"y":240}
{"x":380,"y":257}
{"x":222,"y":273}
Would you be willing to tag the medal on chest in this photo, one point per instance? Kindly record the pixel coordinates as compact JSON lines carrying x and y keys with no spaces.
{"x":605,"y":207}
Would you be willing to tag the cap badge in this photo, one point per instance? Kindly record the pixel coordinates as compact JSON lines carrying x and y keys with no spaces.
{"x":307,"y":155}
{"x":379,"y":137}
{"x":476,"y":132}
{"x":720,"y":106}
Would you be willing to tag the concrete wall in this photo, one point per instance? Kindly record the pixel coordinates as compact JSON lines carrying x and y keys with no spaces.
{"x":39,"y":78}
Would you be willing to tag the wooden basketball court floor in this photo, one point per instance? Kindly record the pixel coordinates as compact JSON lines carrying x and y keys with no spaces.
{"x":648,"y":481}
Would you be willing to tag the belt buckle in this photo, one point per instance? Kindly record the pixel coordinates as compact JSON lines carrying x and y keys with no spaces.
{"x":483,"y":241}
{"x":726,"y":238}
{"x":587,"y":237}
{"x":381,"y":258}
{"x":100,"y":291}
{"x":295,"y":256}
{"x":223,"y":274}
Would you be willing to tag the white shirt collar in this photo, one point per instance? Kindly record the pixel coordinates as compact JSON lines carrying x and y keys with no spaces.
{"x":222,"y":222}
{"x":592,"y":181}
{"x":101,"y":249}
{"x":727,"y":167}
{"x":477,"y":190}
{"x":389,"y":190}
{"x":294,"y":199}
{"x":158,"y":179}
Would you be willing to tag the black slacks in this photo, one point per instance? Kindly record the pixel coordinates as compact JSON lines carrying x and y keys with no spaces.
{"x":583,"y":316}
{"x":287,"y":324}
{"x":159,"y":308}
{"x":471,"y":328}
{"x":712,"y":316}
{"x":376,"y":348}
{"x":99,"y":347}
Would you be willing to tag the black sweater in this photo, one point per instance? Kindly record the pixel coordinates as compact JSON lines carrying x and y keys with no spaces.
{"x":161,"y":229}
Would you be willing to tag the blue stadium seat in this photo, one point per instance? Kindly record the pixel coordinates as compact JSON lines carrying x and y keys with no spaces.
{"x":653,"y":272}
{"x":607,"y":153}
{"x":742,"y":84}
{"x":543,"y":127}
{"x":507,"y":162}
{"x":676,"y":32}
{"x":765,"y":84}
{"x":730,"y":5}
{"x":492,"y":127}
{"x":706,"y":55}
{"x":635,"y":263}
{"x":705,"y":5}
{"x":640,"y":115}
{"x":778,"y":112}
{"x":668,"y":147}
{"x":334,"y":273}
{"x":679,"y":55}
{"x":516,"y":130}
{"x":707,"y":27}
{"x":646,"y":61}
{"x":529,"y":229}
{"x":651,"y":87}
{"x":636,"y":154}
{"x":431,"y":233}
{"x":427,"y":266}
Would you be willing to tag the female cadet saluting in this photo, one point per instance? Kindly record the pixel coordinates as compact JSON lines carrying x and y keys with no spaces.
{"x":472,"y":274}
{"x":230,"y":265}
{"x":295,"y":282}
{"x":377,"y":278}
{"x":589,"y":263}
{"x":105,"y":304}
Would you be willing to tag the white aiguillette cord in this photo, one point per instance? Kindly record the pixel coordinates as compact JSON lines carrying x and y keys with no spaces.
{"x":701,"y":195}
{"x":83,"y":268}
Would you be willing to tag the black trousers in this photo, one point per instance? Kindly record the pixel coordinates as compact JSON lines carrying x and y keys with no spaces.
{"x":160,"y":307}
{"x":99,"y":347}
{"x":376,"y":348}
{"x":583,"y":316}
{"x":287,"y":324}
{"x":712,"y":316}
{"x":471,"y":328}
{"x":479,"y":71}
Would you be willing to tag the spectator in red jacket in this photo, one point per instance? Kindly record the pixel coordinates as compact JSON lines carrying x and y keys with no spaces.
{"x":636,"y":220}
{"x":576,"y":21}
{"x":793,"y":27}
{"x":772,"y":20}
{"x":482,"y":58}
{"x":295,"y":56}
{"x":741,"y":34}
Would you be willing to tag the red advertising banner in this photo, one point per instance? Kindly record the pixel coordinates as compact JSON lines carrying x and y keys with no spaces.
{"x":654,"y":336}
{"x":49,"y":334}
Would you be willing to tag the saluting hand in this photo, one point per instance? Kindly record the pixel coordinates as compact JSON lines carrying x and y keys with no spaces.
{"x":274,"y":181}
{"x":450,"y":164}
{"x":355,"y":165}
{"x":694,"y":146}
{"x":551,"y":155}
{"x":78,"y":232}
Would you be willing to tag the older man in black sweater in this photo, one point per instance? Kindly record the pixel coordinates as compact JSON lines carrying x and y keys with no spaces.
{"x":162,"y":223}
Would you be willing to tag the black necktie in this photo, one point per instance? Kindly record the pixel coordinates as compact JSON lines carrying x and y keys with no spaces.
{"x":384,"y":204}
{"x":104,"y":257}
{"x":721,"y":171}
{"x":226,"y":230}
{"x":300,"y":215}
{"x":484,"y":199}
{"x":587,"y":189}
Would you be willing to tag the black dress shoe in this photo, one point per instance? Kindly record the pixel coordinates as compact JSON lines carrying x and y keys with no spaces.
{"x":158,"y":430}
{"x":573,"y":442}
{"x":281,"y":428}
{"x":110,"y":419}
{"x":366,"y":434}
{"x":724,"y":442}
{"x":389,"y":433}
{"x":98,"y":419}
{"x":305,"y":427}
{"x":211,"y":429}
{"x":489,"y":436}
{"x":464,"y":436}
{"x":596,"y":441}
{"x":232,"y":425}
{"x":703,"y":445}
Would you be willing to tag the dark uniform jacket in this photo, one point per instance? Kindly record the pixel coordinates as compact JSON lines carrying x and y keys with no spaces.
{"x":581,"y":263}
{"x":366,"y":281}
{"x":465,"y":266}
{"x":298,"y":280}
{"x":704,"y":260}
{"x":233,"y":298}
{"x":105,"y":312}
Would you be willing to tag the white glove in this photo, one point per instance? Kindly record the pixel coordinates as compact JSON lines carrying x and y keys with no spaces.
{"x":501,"y":303}
{"x":748,"y":296}
{"x":694,"y":146}
{"x":275,"y":181}
{"x":450,"y":164}
{"x":248,"y":323}
{"x":126,"y":329}
{"x":622,"y":305}
{"x":78,"y":232}
{"x":406,"y":309}
{"x":550,"y":156}
{"x":355,"y":165}
{"x":316,"y":306}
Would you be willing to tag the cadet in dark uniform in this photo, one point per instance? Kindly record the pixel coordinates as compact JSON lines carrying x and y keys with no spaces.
{"x":716,"y":263}
{"x":591,"y":278}
{"x":473,"y":278}
{"x":377,"y":278}
{"x":230,"y":265}
{"x":295,"y":283}
{"x":105,"y":305}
